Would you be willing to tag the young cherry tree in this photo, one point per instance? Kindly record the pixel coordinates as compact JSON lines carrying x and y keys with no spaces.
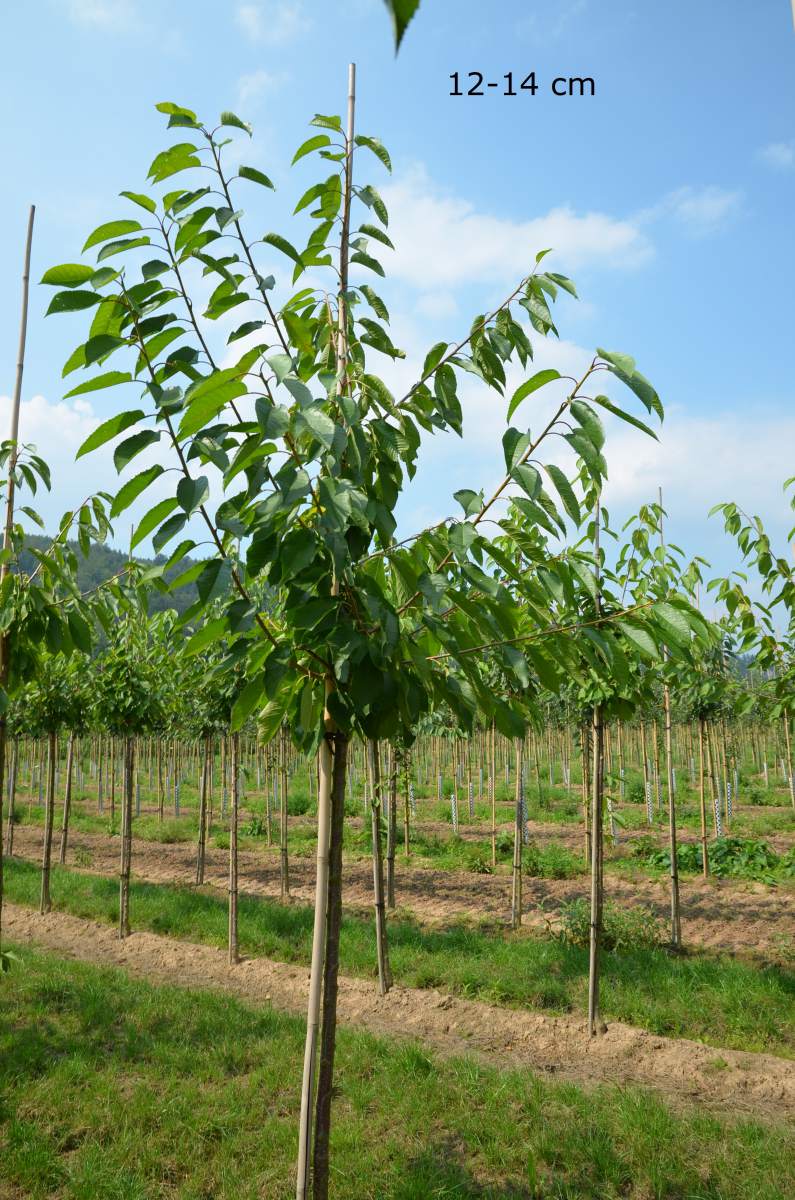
{"x":310,"y":450}
{"x":52,"y":703}
{"x":42,"y":612}
{"x":127,"y":703}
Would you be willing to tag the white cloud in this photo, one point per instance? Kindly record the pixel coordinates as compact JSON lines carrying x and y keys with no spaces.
{"x":779,"y":155}
{"x":114,"y":16}
{"x":251,"y":87}
{"x":442,"y":238}
{"x":700,"y":210}
{"x":273,"y":22}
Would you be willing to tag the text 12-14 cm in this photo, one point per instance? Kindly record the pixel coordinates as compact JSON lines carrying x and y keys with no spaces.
{"x":475,"y":84}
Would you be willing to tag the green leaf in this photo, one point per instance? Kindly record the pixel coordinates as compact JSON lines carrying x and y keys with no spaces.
{"x":623,"y":367}
{"x":375,"y":302}
{"x":366,"y":260}
{"x":247,"y":702}
{"x":566,"y":492}
{"x":191,"y":493}
{"x":470,"y":501}
{"x":168,"y":530}
{"x":138,"y":198}
{"x":100,"y":347}
{"x":109,"y":379}
{"x":213,"y":631}
{"x":205,"y":405}
{"x":275,"y":239}
{"x":172,"y":161}
{"x":121,"y":247}
{"x":531,"y":385}
{"x":80,"y":630}
{"x":230,"y":118}
{"x":110,"y":429}
{"x":132,"y":489}
{"x":68,"y":275}
{"x":377,"y":147}
{"x":126,"y":451}
{"x":72,"y":301}
{"x":152,"y":519}
{"x":175,"y":110}
{"x":640,"y":638}
{"x":603,"y":402}
{"x":111,"y":229}
{"x":320,"y":424}
{"x":673,"y":621}
{"x":528,"y":478}
{"x":313,"y":143}
{"x":255,"y":176}
{"x":589,"y":421}
{"x":401,"y":12}
{"x":327,"y":122}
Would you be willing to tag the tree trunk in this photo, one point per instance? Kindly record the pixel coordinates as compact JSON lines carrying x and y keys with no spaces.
{"x":284,"y":861}
{"x":202,"y":845}
{"x":391,"y":829}
{"x":126,"y":837}
{"x":233,"y":951}
{"x":702,"y":799}
{"x":516,"y":888}
{"x":320,"y":1166}
{"x":319,"y":950}
{"x":788,"y":745}
{"x":49,"y":820}
{"x":12,"y":792}
{"x":67,"y":798}
{"x":382,"y":946}
{"x":493,"y":794}
{"x":676,"y":927}
{"x":595,"y":1024}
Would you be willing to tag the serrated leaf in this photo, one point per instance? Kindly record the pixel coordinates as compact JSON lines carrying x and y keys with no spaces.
{"x":72,"y":301}
{"x":152,"y":519}
{"x":133,"y":488}
{"x":138,"y":198}
{"x":68,"y":275}
{"x":255,"y":176}
{"x":110,"y":429}
{"x":529,"y":386}
{"x":231,"y":119}
{"x":313,"y":143}
{"x":109,"y":379}
{"x":280,"y":243}
{"x":111,"y":229}
{"x":127,"y":450}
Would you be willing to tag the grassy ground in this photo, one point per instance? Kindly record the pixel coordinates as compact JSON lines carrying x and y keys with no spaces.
{"x":717,"y":999}
{"x":113,"y":1089}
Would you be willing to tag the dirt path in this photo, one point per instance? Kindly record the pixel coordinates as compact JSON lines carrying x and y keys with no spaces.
{"x":719,"y":914}
{"x":684,"y":1072}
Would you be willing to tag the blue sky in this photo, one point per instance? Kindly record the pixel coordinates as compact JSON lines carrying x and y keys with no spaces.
{"x":668,"y":197}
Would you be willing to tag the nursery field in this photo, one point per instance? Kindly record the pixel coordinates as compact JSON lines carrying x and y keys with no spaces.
{"x":478,"y":1009}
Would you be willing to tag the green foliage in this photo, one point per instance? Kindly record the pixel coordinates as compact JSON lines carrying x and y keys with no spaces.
{"x":729,"y":857}
{"x":622,"y":928}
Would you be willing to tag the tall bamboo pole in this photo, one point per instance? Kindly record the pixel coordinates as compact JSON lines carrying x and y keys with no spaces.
{"x":676,"y":925}
{"x":9,"y":518}
{"x":331,"y":794}
{"x":595,"y":1024}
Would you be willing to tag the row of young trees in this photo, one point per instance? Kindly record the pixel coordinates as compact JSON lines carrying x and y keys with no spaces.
{"x":312,"y":615}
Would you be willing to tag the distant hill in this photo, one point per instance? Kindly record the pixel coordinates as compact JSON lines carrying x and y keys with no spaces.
{"x":104,"y":562}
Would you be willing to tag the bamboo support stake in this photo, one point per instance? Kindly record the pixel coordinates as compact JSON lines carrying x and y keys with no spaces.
{"x":595,"y":1024}
{"x":676,"y":925}
{"x":325,"y":937}
{"x":9,"y":516}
